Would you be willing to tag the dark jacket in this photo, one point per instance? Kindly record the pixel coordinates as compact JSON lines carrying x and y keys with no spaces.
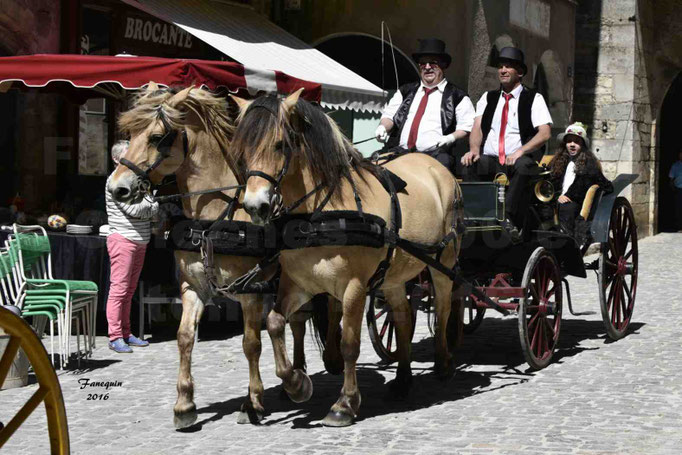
{"x":584,"y":179}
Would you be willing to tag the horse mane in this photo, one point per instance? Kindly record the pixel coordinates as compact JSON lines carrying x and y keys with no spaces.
{"x":317,"y":139}
{"x":212,"y":110}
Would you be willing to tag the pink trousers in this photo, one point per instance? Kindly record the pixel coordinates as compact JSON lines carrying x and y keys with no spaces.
{"x":127,"y":258}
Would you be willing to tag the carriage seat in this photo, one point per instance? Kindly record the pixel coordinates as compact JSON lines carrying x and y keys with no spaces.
{"x":592,"y":193}
{"x":545,"y":160}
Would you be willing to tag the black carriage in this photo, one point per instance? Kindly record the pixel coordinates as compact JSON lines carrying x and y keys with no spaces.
{"x":529,"y":277}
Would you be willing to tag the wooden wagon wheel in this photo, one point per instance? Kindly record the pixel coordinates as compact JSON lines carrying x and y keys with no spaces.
{"x":473,"y":314}
{"x":540,"y":309}
{"x":618,"y":270}
{"x":381,"y":326}
{"x":22,"y":336}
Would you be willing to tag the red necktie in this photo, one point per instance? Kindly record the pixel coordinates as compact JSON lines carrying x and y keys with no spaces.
{"x":412,"y":137}
{"x":503,"y":126}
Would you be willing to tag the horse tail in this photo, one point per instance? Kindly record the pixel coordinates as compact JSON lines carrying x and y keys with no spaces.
{"x":320,"y":320}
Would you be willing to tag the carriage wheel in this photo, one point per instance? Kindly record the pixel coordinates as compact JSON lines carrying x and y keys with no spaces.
{"x":618,"y":270}
{"x":22,"y":336}
{"x":382,"y":328}
{"x":473,"y":314}
{"x":540,"y":310}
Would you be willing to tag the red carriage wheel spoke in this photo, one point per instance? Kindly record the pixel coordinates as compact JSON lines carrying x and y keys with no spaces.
{"x":383,"y":328}
{"x":551,"y":292}
{"x":615,"y":315}
{"x":534,"y":338}
{"x":379,"y":314}
{"x":389,"y":341}
{"x":534,"y":293}
{"x":550,"y":330}
{"x":627,"y":290}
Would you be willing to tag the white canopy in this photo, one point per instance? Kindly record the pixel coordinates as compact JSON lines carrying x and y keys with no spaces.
{"x":255,"y":42}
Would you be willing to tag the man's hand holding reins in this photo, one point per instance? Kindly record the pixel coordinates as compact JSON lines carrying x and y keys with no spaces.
{"x":381,"y":134}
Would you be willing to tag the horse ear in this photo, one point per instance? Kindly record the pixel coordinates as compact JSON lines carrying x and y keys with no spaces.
{"x":241,"y":102}
{"x":180,"y":96}
{"x":291,"y":100}
{"x":152,"y":87}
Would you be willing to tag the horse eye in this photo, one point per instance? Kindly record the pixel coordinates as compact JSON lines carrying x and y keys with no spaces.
{"x":154,"y":139}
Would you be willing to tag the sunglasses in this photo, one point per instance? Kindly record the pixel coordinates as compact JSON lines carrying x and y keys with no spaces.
{"x":433,"y":63}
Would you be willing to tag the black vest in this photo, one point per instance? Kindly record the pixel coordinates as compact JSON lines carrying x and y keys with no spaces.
{"x":524,"y":115}
{"x":452,"y":95}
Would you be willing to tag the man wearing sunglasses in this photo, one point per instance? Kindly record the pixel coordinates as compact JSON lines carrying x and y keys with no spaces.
{"x":430,"y":115}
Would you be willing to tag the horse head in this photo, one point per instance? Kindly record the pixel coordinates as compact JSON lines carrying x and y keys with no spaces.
{"x":290,"y":148}
{"x":158,"y":143}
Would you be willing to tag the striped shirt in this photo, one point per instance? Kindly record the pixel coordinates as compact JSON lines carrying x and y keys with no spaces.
{"x":130,"y":220}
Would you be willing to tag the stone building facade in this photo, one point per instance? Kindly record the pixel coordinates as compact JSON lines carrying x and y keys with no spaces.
{"x":474,"y":30}
{"x":612,"y":64}
{"x":628,"y":62}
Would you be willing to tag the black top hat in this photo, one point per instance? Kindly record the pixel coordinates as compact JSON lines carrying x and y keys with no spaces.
{"x":514,"y":55}
{"x":432,"y":46}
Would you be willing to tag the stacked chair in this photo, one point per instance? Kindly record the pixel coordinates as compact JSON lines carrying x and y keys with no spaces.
{"x":26,"y":271}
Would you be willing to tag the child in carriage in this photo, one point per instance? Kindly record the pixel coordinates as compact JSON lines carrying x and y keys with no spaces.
{"x":574,"y":169}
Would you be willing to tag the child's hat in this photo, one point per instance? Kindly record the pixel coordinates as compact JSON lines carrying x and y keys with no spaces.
{"x":576,"y":129}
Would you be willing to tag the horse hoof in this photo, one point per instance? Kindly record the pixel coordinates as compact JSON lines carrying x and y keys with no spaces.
{"x":250,"y":416}
{"x":305,"y":389}
{"x":338,"y":419}
{"x":185,"y":419}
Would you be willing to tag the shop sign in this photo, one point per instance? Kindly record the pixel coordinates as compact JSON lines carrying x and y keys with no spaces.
{"x":157,"y":32}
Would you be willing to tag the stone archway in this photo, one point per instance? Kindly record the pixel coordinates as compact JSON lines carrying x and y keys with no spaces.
{"x":668,"y":149}
{"x":361,"y":52}
{"x":549,"y":81}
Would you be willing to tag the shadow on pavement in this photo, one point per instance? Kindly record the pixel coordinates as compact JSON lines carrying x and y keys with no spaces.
{"x":494,"y":347}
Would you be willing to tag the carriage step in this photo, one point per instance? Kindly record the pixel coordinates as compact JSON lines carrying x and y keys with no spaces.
{"x":594,"y":265}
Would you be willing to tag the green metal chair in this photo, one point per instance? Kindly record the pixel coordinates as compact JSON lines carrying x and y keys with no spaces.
{"x":31,"y":247}
{"x":41,"y":311}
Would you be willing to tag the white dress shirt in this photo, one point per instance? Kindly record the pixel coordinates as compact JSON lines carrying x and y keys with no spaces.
{"x":512,"y":135}
{"x":569,"y":178}
{"x":430,"y":129}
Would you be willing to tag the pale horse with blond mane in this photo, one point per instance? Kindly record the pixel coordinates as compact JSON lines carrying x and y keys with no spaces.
{"x":292,"y":149}
{"x":199,"y":158}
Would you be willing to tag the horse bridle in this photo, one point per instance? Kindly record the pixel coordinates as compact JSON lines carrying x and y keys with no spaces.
{"x":285,"y":147}
{"x":164,"y":148}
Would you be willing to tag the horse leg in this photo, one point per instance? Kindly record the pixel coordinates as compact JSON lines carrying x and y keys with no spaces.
{"x":192,"y":307}
{"x":297,"y":324}
{"x":344,"y":411}
{"x":333,"y":360}
{"x":402,"y":319}
{"x":252,"y":410}
{"x":296,"y":382}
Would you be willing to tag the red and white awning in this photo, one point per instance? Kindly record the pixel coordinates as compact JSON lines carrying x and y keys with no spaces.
{"x":88,"y":76}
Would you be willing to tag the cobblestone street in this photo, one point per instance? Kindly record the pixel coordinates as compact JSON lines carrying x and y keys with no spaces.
{"x":597,"y":397}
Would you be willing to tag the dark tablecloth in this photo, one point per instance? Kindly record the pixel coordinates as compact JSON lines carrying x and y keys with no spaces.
{"x":85,"y":257}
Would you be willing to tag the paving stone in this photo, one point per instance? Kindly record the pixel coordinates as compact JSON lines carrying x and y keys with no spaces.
{"x":597,"y":397}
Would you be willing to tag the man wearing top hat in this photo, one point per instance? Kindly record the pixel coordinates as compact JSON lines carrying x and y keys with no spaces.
{"x":430,"y":115}
{"x":510,"y":130}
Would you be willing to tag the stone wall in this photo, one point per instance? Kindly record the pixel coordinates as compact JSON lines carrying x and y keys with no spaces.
{"x":627,"y":53}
